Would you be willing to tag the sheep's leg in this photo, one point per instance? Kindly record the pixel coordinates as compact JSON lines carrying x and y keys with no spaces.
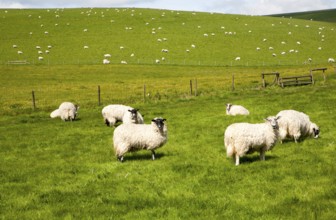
{"x":237,"y":159}
{"x":262,"y":155}
{"x":153,"y":155}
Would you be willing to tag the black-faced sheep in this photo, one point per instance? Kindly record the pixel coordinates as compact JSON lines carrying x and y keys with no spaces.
{"x":134,"y":137}
{"x":246,"y":138}
{"x":67,"y":111}
{"x":294,"y":124}
{"x":121,"y":113}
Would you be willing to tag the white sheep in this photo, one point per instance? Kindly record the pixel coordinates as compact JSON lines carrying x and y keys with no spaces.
{"x":237,"y":59}
{"x":106,"y":61}
{"x":246,"y":138}
{"x":236,"y":110}
{"x":121,"y":113}
{"x":331,"y":60}
{"x":67,"y":111}
{"x":295,"y":124}
{"x":134,"y":137}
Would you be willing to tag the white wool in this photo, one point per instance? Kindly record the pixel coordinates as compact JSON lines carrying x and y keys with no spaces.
{"x":245,"y":138}
{"x":120,"y":113}
{"x":133,"y":137}
{"x":236,"y":110}
{"x":67,"y":111}
{"x":294,"y":124}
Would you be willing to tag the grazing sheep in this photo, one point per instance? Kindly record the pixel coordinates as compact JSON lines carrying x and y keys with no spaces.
{"x":331,"y":60}
{"x":236,"y":110}
{"x":106,"y":61}
{"x":294,"y":124}
{"x":246,"y":138}
{"x":67,"y":111}
{"x":237,"y":59}
{"x":134,"y":137}
{"x":121,"y":113}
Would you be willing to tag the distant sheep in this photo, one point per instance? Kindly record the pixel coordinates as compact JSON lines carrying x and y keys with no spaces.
{"x":67,"y":111}
{"x":106,"y":61}
{"x":134,"y":137}
{"x":121,"y":113}
{"x":246,"y":138}
{"x":237,"y":59}
{"x":331,"y":60}
{"x":236,"y":110}
{"x":295,"y":124}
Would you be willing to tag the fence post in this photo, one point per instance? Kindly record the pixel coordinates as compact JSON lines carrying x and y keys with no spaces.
{"x":190,"y":87}
{"x":33,"y":95}
{"x":233,"y":86}
{"x":98,"y":95}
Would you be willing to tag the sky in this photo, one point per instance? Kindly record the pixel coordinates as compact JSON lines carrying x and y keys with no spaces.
{"x":246,"y":7}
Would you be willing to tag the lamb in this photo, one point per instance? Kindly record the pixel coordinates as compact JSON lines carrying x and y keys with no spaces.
{"x":121,"y":113}
{"x":67,"y":111}
{"x":236,"y":110}
{"x":246,"y":138}
{"x":295,"y":124}
{"x":134,"y":137}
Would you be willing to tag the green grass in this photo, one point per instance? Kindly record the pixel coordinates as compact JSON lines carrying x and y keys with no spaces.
{"x":50,"y":169}
{"x":109,"y":29}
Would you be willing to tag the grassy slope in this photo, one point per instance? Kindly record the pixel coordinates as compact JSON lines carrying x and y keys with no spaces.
{"x":108,"y":29}
{"x":322,"y":15}
{"x":51,"y":169}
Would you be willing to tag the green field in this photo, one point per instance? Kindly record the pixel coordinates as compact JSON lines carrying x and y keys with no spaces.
{"x":51,"y":169}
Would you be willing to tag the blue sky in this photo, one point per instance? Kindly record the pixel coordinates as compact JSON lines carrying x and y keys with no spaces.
{"x":248,"y":7}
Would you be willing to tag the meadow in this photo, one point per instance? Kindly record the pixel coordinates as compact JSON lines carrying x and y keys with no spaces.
{"x":51,"y":169}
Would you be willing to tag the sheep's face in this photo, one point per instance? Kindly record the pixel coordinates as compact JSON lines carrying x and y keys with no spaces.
{"x":159,"y":122}
{"x":273,"y":121}
{"x":134,"y":113}
{"x":315,"y":130}
{"x":228,"y":106}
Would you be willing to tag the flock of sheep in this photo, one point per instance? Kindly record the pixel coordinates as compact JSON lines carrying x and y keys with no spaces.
{"x":239,"y":138}
{"x":131,"y":135}
{"x":246,"y":138}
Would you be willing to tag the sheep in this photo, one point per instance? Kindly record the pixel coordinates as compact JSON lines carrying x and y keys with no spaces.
{"x":236,"y":110}
{"x":121,"y":113}
{"x":237,"y":59}
{"x":295,"y":124}
{"x":134,"y":137}
{"x":107,"y":55}
{"x":106,"y":61}
{"x":67,"y":111}
{"x":246,"y":138}
{"x":331,"y":60}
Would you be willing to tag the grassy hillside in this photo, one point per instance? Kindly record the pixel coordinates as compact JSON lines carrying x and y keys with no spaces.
{"x":140,"y":35}
{"x":51,"y":169}
{"x":321,"y":15}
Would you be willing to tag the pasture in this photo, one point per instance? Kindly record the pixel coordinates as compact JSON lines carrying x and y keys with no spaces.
{"x":53,"y":169}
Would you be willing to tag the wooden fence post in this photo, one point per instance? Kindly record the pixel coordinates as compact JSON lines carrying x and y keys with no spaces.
{"x":33,"y":95}
{"x":233,"y":86}
{"x":190,"y":87}
{"x":98,"y":95}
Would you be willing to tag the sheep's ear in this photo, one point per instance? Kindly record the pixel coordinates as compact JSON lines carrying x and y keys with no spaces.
{"x":164,"y":119}
{"x":153,"y":120}
{"x":277,"y":118}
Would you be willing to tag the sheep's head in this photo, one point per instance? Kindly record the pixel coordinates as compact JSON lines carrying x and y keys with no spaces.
{"x":228,"y":106}
{"x":134,"y":113}
{"x":273,"y":121}
{"x":315,"y":130}
{"x":159,"y":122}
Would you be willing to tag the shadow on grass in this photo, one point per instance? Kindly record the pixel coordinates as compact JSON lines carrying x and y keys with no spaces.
{"x":256,"y":158}
{"x":142,"y":156}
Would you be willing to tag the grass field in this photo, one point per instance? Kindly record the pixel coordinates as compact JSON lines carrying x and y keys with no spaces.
{"x":50,"y":169}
